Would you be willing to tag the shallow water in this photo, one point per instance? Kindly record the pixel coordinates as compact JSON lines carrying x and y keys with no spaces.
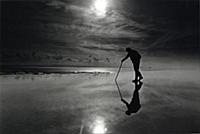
{"x":89,"y":104}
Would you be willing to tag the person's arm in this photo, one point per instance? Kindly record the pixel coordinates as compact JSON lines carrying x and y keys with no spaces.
{"x":125,"y":102}
{"x":125,"y":58}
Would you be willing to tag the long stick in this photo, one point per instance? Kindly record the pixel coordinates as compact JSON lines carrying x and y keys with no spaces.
{"x":116,"y":80}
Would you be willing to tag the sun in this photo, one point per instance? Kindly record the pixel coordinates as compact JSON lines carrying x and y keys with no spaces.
{"x":100,"y":7}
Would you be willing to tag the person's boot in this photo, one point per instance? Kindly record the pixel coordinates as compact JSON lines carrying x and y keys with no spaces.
{"x":141,"y":77}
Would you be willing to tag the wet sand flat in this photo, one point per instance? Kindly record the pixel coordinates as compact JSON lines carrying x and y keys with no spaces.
{"x":90,"y":103}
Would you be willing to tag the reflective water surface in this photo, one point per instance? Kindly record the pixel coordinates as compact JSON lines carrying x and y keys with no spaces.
{"x":90,"y":104}
{"x":95,"y":125}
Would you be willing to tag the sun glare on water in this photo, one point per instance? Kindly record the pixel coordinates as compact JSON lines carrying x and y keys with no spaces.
{"x":100,"y":7}
{"x":99,"y":127}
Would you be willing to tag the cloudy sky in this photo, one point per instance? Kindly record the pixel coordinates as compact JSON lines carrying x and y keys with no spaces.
{"x":93,"y":33}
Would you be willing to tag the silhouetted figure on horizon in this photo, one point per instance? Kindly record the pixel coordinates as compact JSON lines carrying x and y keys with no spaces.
{"x":135,"y":58}
{"x":134,"y":105}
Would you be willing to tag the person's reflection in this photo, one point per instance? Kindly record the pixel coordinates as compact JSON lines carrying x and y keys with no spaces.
{"x":134,"y":105}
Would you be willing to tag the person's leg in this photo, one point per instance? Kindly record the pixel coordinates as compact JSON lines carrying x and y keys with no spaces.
{"x":139,"y":73}
{"x":135,"y":66}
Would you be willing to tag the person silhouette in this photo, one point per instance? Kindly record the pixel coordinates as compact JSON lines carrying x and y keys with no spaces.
{"x":134,"y":105}
{"x":135,"y":58}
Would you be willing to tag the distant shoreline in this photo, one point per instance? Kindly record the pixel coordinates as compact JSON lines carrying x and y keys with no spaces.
{"x":54,"y":70}
{"x":44,"y":69}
